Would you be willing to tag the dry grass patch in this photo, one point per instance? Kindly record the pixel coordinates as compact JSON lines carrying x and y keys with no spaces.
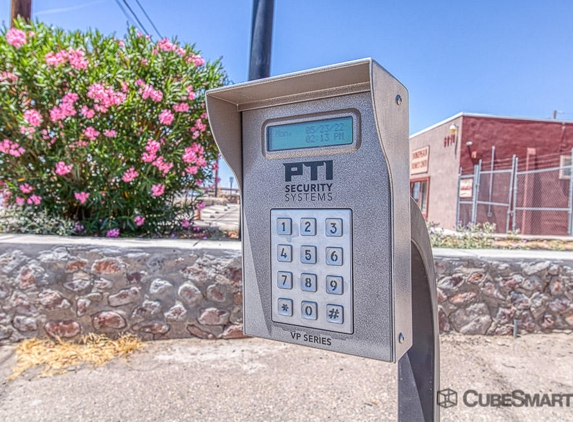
{"x":56,"y":357}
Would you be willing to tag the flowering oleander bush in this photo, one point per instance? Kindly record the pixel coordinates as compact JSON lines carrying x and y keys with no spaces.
{"x":102,"y":131}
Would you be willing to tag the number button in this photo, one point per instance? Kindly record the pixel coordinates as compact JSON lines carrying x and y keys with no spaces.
{"x":308,"y":310}
{"x":333,"y":256}
{"x":308,"y":254}
{"x":284,"y":280}
{"x":285,"y":307}
{"x":308,"y":227}
{"x":334,"y":284}
{"x":284,"y":226}
{"x":284,"y":253}
{"x":308,"y":282}
{"x":333,"y":227}
{"x":335,"y":314}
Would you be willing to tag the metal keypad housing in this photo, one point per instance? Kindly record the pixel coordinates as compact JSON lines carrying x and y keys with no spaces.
{"x":311,"y":262}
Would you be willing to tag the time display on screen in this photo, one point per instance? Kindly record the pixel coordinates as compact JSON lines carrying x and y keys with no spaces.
{"x":310,"y":134}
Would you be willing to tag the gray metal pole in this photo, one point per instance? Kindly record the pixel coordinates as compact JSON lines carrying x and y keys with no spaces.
{"x":510,"y":210}
{"x":570,"y":228}
{"x":458,"y":201}
{"x":419,"y":368}
{"x":261,"y":39}
{"x":515,"y":192}
{"x":490,"y":181}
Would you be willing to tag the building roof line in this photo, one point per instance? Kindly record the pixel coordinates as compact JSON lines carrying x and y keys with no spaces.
{"x":491,"y":116}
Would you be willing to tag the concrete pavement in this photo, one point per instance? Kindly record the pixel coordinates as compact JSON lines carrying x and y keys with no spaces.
{"x":258,"y":380}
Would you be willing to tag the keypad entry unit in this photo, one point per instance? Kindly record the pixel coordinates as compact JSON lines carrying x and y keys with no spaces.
{"x":311,"y":267}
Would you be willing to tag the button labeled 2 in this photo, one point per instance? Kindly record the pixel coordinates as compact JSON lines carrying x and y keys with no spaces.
{"x":308,"y":226}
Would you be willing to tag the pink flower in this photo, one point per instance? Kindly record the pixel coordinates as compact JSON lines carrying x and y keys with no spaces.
{"x":120,"y":43}
{"x":162,"y":166}
{"x":157,"y":190}
{"x":165,"y":45}
{"x":196,"y":60}
{"x":56,"y":59}
{"x":215,"y":166}
{"x":33,"y":117}
{"x":16,"y":37}
{"x":112,"y":233}
{"x":192,"y":169}
{"x":20,"y":201}
{"x":190,"y":93}
{"x":185,"y":224}
{"x":66,"y":107}
{"x":139,"y":220}
{"x":87,"y":112}
{"x":26,"y":188}
{"x":181,"y":107}
{"x":165,"y":117}
{"x":110,"y":133}
{"x":5,"y":76}
{"x":104,"y":96}
{"x":90,"y":133}
{"x":200,"y":205}
{"x":149,"y":92}
{"x":34,"y":199}
{"x":11,"y":148}
{"x":77,"y":59}
{"x":129,"y":175}
{"x":200,"y":126}
{"x":144,"y":62}
{"x":125,"y":87}
{"x":82,"y":197}
{"x":62,"y":169}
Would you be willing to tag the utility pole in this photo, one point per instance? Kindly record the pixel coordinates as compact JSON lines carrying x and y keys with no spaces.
{"x":22,"y":8}
{"x":261,"y":39}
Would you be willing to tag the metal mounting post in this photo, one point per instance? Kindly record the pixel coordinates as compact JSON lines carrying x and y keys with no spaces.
{"x":419,"y":368}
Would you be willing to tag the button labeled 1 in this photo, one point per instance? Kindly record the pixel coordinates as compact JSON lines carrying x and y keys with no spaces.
{"x":284,"y":226}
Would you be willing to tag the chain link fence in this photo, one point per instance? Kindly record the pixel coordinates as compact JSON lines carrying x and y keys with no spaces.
{"x":528,"y":201}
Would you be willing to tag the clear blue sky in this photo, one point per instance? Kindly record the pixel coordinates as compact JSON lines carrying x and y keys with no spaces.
{"x":499,"y":57}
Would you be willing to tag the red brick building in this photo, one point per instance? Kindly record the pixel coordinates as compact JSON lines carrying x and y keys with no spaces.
{"x":467,"y":140}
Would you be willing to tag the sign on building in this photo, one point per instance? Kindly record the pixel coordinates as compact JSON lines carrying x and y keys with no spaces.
{"x":419,"y":160}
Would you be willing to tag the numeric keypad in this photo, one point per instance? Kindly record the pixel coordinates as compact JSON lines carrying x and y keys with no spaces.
{"x":312,"y":268}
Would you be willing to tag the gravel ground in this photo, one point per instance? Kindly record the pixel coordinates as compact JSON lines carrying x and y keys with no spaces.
{"x":259,"y":380}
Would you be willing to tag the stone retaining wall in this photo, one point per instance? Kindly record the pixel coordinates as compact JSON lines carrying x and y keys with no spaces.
{"x":68,"y":287}
{"x":156,"y":289}
{"x":487,"y":291}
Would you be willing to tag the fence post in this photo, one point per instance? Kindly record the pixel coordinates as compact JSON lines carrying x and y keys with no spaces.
{"x":515,"y":191}
{"x":570,"y":211}
{"x":477,"y":169}
{"x":458,"y":200}
{"x":510,"y":205}
{"x":491,"y":167}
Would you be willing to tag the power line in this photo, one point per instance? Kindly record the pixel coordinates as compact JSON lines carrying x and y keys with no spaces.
{"x":125,"y":13}
{"x":135,"y":16}
{"x":148,"y":18}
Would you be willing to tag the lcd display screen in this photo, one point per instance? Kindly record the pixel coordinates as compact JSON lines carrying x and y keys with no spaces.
{"x":310,"y":134}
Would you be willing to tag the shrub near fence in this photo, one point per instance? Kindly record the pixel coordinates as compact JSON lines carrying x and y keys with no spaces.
{"x":101,"y":131}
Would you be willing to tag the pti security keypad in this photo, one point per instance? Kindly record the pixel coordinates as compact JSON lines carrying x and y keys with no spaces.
{"x":311,"y":267}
